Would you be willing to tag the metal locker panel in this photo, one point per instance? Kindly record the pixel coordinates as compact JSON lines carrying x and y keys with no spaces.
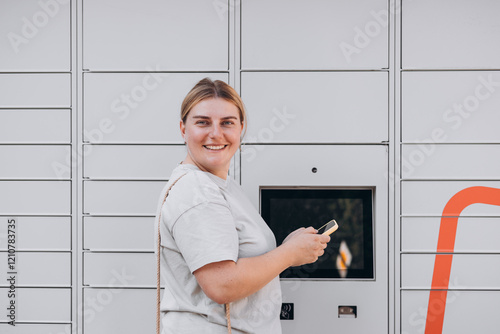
{"x":431,"y":161}
{"x":339,"y":165}
{"x":35,"y":197}
{"x":316,"y":107}
{"x":34,"y":161}
{"x":314,"y":34}
{"x":420,"y":234}
{"x":23,"y":126}
{"x":40,"y":269}
{"x":35,"y":328}
{"x":136,"y":107}
{"x":468,"y":271}
{"x":103,"y":269}
{"x":132,"y":161}
{"x":35,"y":90}
{"x":118,"y":233}
{"x":466,"y":111}
{"x":329,"y":166}
{"x":117,"y":311}
{"x":456,"y":34}
{"x":37,"y":35}
{"x":170,"y":35}
{"x":323,"y":313}
{"x":56,"y":233}
{"x":417,"y":270}
{"x":465,"y":312}
{"x":430,"y":197}
{"x":39,"y":304}
{"x":121,"y":197}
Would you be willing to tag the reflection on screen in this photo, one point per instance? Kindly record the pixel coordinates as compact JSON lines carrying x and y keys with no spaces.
{"x":350,"y":251}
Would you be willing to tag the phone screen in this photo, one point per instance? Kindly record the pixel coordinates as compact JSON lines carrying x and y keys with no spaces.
{"x":328,"y":228}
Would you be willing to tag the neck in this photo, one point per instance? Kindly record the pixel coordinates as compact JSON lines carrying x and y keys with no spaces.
{"x":220,"y":173}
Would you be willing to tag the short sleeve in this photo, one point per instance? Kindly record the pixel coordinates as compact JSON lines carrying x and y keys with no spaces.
{"x":206,"y":233}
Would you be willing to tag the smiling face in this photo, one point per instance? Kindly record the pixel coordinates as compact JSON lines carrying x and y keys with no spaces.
{"x":212,"y":133}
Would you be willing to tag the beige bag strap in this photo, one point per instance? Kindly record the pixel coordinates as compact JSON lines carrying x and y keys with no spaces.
{"x":158,"y":299}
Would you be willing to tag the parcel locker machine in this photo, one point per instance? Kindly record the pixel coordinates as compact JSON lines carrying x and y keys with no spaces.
{"x":346,"y":290}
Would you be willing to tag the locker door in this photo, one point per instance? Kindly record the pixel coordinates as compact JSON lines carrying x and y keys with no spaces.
{"x":35,"y":90}
{"x":39,"y":305}
{"x":465,"y":112}
{"x":121,"y":197}
{"x":37,"y":36}
{"x":170,"y":35}
{"x":118,"y":233}
{"x":116,"y":311}
{"x":132,"y":161}
{"x":24,"y":126}
{"x":314,"y":34}
{"x":99,"y":269}
{"x":454,"y":161}
{"x":470,"y":310}
{"x":56,"y":233}
{"x":40,"y":269}
{"x":35,"y":197}
{"x":316,"y":107}
{"x":420,"y":234}
{"x":469,"y":271}
{"x":35,"y":328}
{"x":455,"y":34}
{"x":33,"y":161}
{"x":416,"y":199}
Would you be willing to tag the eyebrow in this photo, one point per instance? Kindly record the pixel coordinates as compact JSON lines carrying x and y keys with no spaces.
{"x":206,"y":117}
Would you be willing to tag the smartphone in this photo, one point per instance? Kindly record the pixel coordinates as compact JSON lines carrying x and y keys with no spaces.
{"x":328,"y":228}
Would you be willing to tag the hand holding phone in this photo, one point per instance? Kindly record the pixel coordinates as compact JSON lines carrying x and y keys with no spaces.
{"x":328,"y":228}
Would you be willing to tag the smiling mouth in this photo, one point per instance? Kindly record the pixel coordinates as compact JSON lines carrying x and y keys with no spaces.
{"x":214,"y":147}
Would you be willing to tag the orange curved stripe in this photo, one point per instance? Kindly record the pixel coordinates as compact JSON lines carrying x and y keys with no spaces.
{"x":446,"y":244}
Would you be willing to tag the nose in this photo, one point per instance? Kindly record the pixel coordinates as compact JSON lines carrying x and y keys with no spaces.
{"x":215,"y":131}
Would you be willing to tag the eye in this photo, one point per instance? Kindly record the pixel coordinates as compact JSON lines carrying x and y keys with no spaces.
{"x":227,"y":123}
{"x":201,"y":122}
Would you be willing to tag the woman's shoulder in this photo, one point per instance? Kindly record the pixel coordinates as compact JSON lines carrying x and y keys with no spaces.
{"x":193,"y":187}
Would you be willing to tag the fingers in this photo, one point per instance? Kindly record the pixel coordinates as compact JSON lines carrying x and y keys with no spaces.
{"x":299,"y":230}
{"x":315,"y":247}
{"x":318,"y":240}
{"x":321,"y":243}
{"x":291,"y":235}
{"x":323,"y":239}
{"x":311,"y":230}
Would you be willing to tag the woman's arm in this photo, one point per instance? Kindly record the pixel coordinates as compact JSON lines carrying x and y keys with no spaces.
{"x":227,"y":281}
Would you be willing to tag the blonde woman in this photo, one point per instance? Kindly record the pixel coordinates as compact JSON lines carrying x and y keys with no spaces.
{"x":216,"y":249}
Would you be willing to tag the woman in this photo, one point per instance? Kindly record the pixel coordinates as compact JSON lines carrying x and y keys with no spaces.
{"x":216,"y":247}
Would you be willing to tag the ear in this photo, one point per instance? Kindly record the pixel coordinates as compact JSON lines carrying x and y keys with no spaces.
{"x":242,"y":133}
{"x":183,"y":130}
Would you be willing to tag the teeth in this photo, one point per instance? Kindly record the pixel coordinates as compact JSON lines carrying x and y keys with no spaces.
{"x":219,"y":147}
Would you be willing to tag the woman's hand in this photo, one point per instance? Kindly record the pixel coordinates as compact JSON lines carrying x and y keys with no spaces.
{"x":305,"y":246}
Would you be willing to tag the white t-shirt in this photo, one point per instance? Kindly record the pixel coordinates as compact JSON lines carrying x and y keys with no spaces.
{"x":207,"y":219}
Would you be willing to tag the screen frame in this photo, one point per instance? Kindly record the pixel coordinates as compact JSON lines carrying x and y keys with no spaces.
{"x":367,"y":196}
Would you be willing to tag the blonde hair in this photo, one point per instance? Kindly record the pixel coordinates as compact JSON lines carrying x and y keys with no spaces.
{"x":208,"y":89}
